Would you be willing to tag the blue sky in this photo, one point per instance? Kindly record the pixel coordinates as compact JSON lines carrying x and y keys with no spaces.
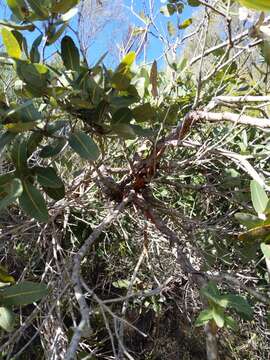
{"x":113,"y":32}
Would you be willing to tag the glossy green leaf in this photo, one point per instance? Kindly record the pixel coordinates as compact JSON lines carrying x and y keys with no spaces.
{"x":11,"y":44}
{"x":258,"y":197}
{"x":12,"y":191}
{"x":55,"y":193}
{"x":70,"y":54}
{"x":47,"y":177}
{"x":34,"y":52}
{"x":34,"y":75}
{"x":23,"y":293}
{"x":83,"y":145}
{"x":204,"y":317}
{"x":34,"y":140}
{"x":122,"y":116}
{"x":33,"y":203}
{"x":19,"y":154}
{"x":7,"y":319}
{"x":53,"y":149}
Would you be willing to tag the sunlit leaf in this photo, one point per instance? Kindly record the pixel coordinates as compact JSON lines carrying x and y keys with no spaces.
{"x":7,"y":319}
{"x":266,"y":250}
{"x":258,"y":197}
{"x":11,"y":44}
{"x":186,"y":23}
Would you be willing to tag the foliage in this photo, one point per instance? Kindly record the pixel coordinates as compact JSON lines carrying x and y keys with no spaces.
{"x":174,"y":159}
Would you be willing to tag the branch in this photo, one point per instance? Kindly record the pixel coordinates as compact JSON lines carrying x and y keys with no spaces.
{"x":76,"y":276}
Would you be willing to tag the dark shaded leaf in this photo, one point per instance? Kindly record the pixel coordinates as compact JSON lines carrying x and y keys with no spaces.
{"x":33,"y":203}
{"x":70,"y":54}
{"x":83,"y":145}
{"x":22,"y":294}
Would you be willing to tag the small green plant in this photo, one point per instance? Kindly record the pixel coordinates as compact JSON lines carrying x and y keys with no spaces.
{"x":219,"y":304}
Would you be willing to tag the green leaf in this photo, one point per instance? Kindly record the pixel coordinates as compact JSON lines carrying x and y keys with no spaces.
{"x":7,"y":319}
{"x":186,"y":23}
{"x":55,"y":35}
{"x":70,"y":54}
{"x":210,"y":291}
{"x":6,"y":178}
{"x":53,"y":149}
{"x":16,"y":26}
{"x":83,"y":145}
{"x":34,"y":75}
{"x":5,"y":277}
{"x":194,"y":3}
{"x":122,"y":116}
{"x":124,"y":130}
{"x":23,"y":293}
{"x":55,"y":193}
{"x":18,"y":7}
{"x":6,"y":139}
{"x":11,"y":44}
{"x":238,"y":303}
{"x":248,"y":220}
{"x":38,"y":8}
{"x":12,"y":191}
{"x":47,"y":177}
{"x":143,"y":112}
{"x":34,"y":53}
{"x":204,"y":317}
{"x":33,"y":203}
{"x":262,"y":5}
{"x":255,"y":234}
{"x":64,"y":6}
{"x":218,"y":316}
{"x":33,"y":142}
{"x":258,"y":197}
{"x":230,"y":322}
{"x":129,"y":58}
{"x":19,"y":155}
{"x":266,"y":250}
